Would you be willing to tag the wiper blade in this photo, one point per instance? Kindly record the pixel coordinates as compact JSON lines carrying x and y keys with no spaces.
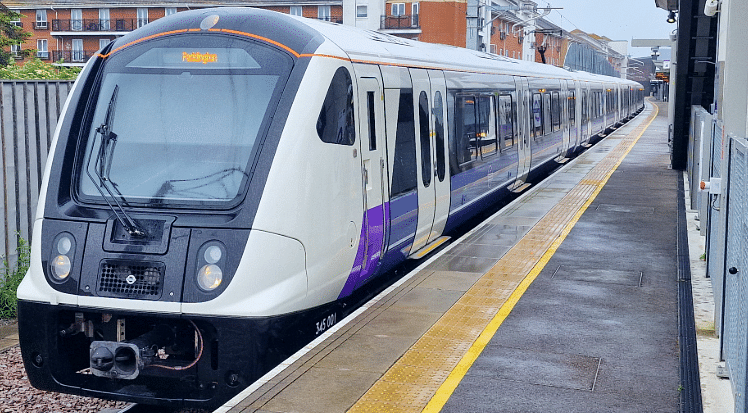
{"x":103,"y":167}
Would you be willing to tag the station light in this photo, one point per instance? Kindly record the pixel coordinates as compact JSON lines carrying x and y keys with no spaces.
{"x":671,"y":17}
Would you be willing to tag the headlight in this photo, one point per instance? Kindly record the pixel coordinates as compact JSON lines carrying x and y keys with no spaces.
{"x":211,"y":258}
{"x":61,"y":267}
{"x":209,"y":277}
{"x":62,"y":256}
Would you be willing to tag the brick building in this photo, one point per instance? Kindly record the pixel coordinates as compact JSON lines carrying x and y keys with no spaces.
{"x":71,"y":31}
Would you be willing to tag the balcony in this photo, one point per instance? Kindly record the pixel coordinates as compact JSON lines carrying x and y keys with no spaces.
{"x":72,"y":56}
{"x":333,"y":19}
{"x":403,"y":22}
{"x":97,"y":25}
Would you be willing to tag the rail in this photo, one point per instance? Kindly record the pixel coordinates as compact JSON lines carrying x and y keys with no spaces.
{"x":400,"y":22}
{"x":97,"y":25}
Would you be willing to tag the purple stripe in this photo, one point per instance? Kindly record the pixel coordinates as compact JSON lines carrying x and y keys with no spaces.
{"x":365,"y":267}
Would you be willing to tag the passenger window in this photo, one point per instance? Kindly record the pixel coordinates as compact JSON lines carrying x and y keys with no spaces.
{"x":486,"y":138}
{"x":465,"y":125}
{"x":335,"y":122}
{"x":537,"y":116}
{"x":584,"y":107}
{"x":423,"y":121}
{"x":506,"y":125}
{"x":404,"y":169}
{"x":439,"y":132}
{"x":555,"y":111}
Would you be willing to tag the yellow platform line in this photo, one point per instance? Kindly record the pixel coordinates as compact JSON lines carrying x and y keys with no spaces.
{"x":425,"y":377}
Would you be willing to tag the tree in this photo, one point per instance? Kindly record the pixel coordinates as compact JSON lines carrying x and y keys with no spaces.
{"x":11,"y":34}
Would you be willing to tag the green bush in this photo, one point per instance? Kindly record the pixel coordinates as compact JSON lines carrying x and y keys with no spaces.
{"x":38,"y":70}
{"x":11,"y":278}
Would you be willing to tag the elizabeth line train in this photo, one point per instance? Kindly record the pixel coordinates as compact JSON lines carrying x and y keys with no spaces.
{"x":221,"y":181}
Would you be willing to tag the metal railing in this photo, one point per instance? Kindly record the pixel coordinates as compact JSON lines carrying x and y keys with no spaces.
{"x":400,"y":22}
{"x":333,"y":19}
{"x":97,"y":25}
{"x":72,"y":56}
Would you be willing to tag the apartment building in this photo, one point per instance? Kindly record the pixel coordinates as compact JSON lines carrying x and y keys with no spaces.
{"x":69,"y":32}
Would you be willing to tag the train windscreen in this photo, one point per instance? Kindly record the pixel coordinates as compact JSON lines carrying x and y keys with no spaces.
{"x":175,"y":121}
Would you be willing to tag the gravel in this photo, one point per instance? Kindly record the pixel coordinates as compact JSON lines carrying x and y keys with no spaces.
{"x":17,"y":395}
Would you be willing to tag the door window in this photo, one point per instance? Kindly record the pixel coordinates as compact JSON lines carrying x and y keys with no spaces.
{"x":439,"y":132}
{"x":423,"y":121}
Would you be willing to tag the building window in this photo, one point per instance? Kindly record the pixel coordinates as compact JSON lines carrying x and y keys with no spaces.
{"x":142,"y":17}
{"x":296,"y":11}
{"x":361,"y":11}
{"x":414,"y":7}
{"x":104,"y":22}
{"x":77,"y":55}
{"x":168,"y":11}
{"x":398,"y":9}
{"x":76,"y":19}
{"x":41,"y":19}
{"x":323,"y":13}
{"x":16,"y":22}
{"x":41,"y":49}
{"x":103,"y":43}
{"x":15,"y":51}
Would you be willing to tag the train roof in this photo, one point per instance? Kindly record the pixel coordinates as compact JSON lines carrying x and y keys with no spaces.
{"x":306,"y":37}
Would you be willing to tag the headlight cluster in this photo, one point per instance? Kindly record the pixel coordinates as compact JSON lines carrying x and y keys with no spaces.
{"x":211,"y":258}
{"x":63,"y":254}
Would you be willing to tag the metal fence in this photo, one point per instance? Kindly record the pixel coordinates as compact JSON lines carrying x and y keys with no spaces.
{"x":28,"y":117}
{"x":735,"y":324}
{"x":723,"y":160}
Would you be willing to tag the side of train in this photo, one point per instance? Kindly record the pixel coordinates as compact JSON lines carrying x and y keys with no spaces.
{"x":222,"y":181}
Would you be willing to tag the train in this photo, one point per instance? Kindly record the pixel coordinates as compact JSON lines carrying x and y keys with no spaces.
{"x":222,"y":181}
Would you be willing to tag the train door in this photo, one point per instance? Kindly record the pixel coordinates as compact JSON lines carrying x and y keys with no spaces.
{"x":523,"y":125}
{"x":585,"y":109}
{"x":561,"y":111}
{"x":441,"y":181}
{"x":374,"y":169}
{"x":424,"y":154}
{"x":571,"y":114}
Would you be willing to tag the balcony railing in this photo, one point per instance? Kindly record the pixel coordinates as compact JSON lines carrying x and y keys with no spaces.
{"x":72,"y":56}
{"x":97,"y":25}
{"x":334,"y":19}
{"x":400,"y":22}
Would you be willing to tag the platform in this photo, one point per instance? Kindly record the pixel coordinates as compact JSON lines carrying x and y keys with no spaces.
{"x":565,"y":300}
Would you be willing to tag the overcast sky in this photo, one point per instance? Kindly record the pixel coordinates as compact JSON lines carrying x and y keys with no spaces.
{"x":614,"y":19}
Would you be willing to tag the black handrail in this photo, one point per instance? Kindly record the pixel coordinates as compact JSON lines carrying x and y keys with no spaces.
{"x":97,"y":25}
{"x":405,"y":21}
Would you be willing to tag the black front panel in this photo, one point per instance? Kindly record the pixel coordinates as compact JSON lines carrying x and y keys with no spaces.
{"x":106,"y":273}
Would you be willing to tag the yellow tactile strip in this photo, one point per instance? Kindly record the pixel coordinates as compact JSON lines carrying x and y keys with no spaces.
{"x":423,"y":379}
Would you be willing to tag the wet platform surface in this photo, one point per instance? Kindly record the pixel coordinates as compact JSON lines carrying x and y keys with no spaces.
{"x":565,"y":300}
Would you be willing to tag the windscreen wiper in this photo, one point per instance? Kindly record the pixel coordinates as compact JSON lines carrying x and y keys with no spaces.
{"x":103,"y":167}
